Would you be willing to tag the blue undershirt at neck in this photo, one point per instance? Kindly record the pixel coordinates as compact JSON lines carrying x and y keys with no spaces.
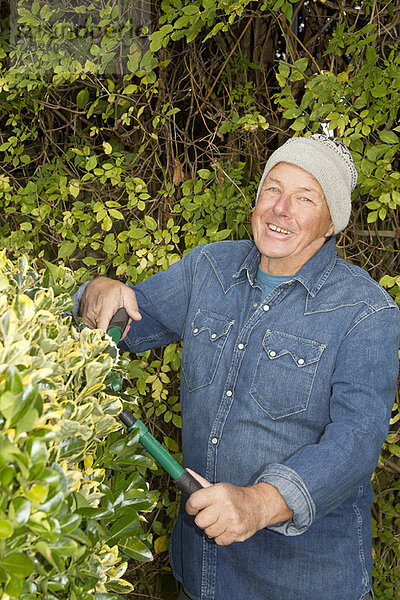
{"x":268,"y":282}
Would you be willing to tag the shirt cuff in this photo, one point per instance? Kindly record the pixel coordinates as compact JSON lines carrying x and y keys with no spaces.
{"x":77,"y":297}
{"x":296,"y":495}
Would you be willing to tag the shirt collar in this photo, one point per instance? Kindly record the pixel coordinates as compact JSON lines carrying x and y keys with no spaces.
{"x":318,"y":268}
{"x":250,"y":265}
{"x":312,"y":275}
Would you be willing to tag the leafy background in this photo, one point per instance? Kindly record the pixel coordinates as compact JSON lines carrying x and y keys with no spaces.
{"x":132,"y":131}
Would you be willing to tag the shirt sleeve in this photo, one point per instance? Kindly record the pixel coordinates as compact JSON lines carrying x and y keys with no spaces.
{"x":319,"y":477}
{"x":77,"y":297}
{"x":163,"y":302}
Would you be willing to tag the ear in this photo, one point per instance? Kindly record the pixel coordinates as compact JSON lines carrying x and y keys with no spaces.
{"x":330,"y":230}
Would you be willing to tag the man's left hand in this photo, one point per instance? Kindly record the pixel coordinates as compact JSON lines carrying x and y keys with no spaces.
{"x":229,"y":513}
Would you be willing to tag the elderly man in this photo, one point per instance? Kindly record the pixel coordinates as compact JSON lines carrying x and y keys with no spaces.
{"x":289,"y":366}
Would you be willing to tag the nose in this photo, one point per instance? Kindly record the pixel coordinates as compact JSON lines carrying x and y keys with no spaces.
{"x":282,"y":205}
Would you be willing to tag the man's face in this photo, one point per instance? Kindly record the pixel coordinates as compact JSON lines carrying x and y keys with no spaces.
{"x":291,"y":220}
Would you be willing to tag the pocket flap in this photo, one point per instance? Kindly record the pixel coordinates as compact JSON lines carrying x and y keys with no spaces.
{"x":303,"y":352}
{"x":217,"y":326}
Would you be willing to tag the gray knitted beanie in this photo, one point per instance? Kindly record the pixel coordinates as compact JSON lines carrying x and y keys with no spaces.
{"x":329,"y":161}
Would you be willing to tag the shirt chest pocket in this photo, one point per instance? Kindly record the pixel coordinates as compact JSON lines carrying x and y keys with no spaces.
{"x":285,"y":374}
{"x":203,"y":347}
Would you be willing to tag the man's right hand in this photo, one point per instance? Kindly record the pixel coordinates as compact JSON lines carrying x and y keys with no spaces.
{"x":101,"y":300}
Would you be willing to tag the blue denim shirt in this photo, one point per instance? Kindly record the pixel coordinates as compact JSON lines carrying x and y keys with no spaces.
{"x":297,"y":391}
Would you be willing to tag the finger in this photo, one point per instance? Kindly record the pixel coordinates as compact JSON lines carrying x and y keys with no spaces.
{"x":126,"y":330}
{"x":104,"y":317}
{"x":130,"y":304}
{"x":209,"y":518}
{"x":91,"y":303}
{"x":217,"y":533}
{"x":90,"y":322}
{"x":213,"y":530}
{"x":199,"y":499}
{"x":190,"y":508}
{"x":225,"y":539}
{"x":101,"y":300}
{"x":89,"y":315}
{"x":122,"y":297}
{"x":131,"y":307}
{"x":199,"y":478}
{"x":88,"y":319}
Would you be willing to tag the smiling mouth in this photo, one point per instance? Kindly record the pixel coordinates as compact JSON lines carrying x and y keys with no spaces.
{"x":278,"y":229}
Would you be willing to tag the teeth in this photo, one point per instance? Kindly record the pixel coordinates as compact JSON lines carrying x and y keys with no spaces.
{"x":278,"y":229}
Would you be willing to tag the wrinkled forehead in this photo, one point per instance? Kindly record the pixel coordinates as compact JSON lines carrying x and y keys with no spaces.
{"x":293,"y":176}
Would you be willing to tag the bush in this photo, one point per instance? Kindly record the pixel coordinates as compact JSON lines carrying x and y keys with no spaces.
{"x":70,"y":497}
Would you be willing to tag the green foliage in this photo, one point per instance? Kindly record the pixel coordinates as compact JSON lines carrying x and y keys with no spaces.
{"x":71,"y":498}
{"x":98,"y":234}
{"x":79,"y":39}
{"x":393,"y":285}
{"x":385,"y":520}
{"x":362,"y":104}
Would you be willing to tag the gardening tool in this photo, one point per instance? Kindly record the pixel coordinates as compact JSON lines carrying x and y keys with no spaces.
{"x":181,"y":477}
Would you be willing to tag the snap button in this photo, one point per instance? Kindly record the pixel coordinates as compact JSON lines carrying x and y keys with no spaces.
{"x":229,"y":393}
{"x":272,"y":353}
{"x":213,"y":336}
{"x":266,"y":307}
{"x":214,"y":441}
{"x":195,"y":330}
{"x":241,"y":346}
{"x":300,"y":361}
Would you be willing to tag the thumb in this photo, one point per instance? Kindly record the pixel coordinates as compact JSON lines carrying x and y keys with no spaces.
{"x":197,"y":501}
{"x":131,"y":305}
{"x":199,"y":478}
{"x":132,"y":309}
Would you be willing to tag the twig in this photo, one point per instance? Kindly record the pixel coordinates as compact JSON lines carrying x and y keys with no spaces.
{"x":226,"y":62}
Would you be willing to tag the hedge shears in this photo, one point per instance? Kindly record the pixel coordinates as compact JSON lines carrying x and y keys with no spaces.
{"x":180,"y":476}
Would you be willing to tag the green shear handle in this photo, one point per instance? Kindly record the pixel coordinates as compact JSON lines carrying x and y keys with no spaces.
{"x":181,"y":477}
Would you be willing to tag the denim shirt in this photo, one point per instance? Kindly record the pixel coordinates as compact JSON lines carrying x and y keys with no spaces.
{"x":295,"y":390}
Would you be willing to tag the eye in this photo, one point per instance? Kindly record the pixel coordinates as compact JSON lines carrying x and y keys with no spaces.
{"x":305,"y":199}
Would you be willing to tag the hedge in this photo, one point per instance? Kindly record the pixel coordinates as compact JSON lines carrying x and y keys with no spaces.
{"x":72,"y":492}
